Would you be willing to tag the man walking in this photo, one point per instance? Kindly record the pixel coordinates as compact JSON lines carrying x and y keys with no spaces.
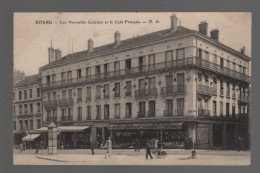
{"x":21,"y":147}
{"x":148,"y":149}
{"x":137,"y":145}
{"x":92,"y":146}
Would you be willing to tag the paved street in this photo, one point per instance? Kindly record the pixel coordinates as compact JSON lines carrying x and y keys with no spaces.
{"x":130,"y":157}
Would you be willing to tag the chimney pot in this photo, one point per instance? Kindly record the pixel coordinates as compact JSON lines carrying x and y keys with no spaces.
{"x":90,"y":45}
{"x":214,"y":34}
{"x":117,"y":37}
{"x":174,"y":22}
{"x":203,"y":27}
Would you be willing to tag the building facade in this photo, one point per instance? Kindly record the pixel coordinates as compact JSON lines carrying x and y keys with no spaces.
{"x":172,"y":84}
{"x":27,"y":109}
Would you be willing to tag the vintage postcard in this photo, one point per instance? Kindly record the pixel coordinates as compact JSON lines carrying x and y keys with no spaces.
{"x":132,"y":88}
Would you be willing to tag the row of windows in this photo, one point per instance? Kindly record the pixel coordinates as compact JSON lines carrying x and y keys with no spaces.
{"x":25,"y":108}
{"x":180,"y":54}
{"x":67,"y":113}
{"x":25,"y":124}
{"x":25,"y":94}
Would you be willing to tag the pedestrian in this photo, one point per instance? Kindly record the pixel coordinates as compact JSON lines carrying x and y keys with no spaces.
{"x":37,"y":147}
{"x":92,"y":146}
{"x":148,"y":149}
{"x":156,"y":143}
{"x":239,"y":143}
{"x":137,"y":145}
{"x":41,"y":145}
{"x":21,"y":147}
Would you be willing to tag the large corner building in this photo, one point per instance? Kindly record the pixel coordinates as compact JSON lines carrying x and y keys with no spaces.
{"x":170,"y":84}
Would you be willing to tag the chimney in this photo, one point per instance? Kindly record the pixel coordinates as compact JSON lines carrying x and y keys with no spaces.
{"x":57,"y":54}
{"x":214,"y":34}
{"x":51,"y":53}
{"x":117,"y":38}
{"x":243,"y":50}
{"x":174,"y":22}
{"x":90,"y":45}
{"x":203,"y":27}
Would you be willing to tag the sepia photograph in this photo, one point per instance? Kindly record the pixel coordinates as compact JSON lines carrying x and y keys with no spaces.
{"x":132,"y":88}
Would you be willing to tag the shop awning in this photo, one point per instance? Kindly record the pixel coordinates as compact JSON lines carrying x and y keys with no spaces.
{"x":147,"y":126}
{"x":42,"y":129}
{"x":30,"y":137}
{"x":72,"y":128}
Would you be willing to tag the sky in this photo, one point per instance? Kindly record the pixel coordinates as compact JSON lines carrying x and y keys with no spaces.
{"x":31,"y":40}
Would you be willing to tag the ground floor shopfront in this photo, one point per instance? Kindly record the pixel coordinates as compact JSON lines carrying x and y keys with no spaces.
{"x":206,"y":133}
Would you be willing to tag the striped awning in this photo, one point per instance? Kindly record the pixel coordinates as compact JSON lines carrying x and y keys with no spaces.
{"x":30,"y":137}
{"x":147,"y":126}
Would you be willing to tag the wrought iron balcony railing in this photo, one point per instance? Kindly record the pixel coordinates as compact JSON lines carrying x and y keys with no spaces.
{"x":206,"y":90}
{"x":146,"y":93}
{"x":243,"y":99}
{"x":180,"y":112}
{"x":66,"y":118}
{"x":141,"y":114}
{"x":128,"y":93}
{"x":51,"y":103}
{"x":66,"y":102}
{"x":168,"y":113}
{"x":79,"y":117}
{"x":173,"y":90}
{"x":203,"y":112}
{"x":150,"y":113}
{"x":148,"y":69}
{"x":117,"y":94}
{"x":88,"y":99}
{"x":233,"y":94}
{"x":79,"y":99}
{"x":98,"y":97}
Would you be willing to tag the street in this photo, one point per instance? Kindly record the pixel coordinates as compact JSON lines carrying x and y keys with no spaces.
{"x":130,"y":157}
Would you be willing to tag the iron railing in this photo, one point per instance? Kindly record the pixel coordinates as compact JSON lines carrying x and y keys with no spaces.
{"x":203,"y":112}
{"x":66,"y":102}
{"x":168,"y":113}
{"x":150,"y":113}
{"x":206,"y":90}
{"x":141,"y":114}
{"x":180,"y":112}
{"x":146,"y":93}
{"x":243,"y":98}
{"x":158,"y":67}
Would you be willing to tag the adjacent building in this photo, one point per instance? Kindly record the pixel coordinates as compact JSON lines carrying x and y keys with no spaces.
{"x":172,"y":84}
{"x":27,"y":110}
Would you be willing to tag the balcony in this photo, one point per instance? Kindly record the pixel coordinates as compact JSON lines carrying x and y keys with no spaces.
{"x":79,"y":99}
{"x":234,"y":95}
{"x":38,"y":114}
{"x":173,"y":90}
{"x":150,"y":113}
{"x":117,"y":95}
{"x":128,"y":94}
{"x":150,"y":69}
{"x":180,"y":112}
{"x":66,"y":118}
{"x":106,"y":96}
{"x":51,"y":103}
{"x":168,"y":113}
{"x":243,"y":99}
{"x":88,"y":99}
{"x":146,"y":93}
{"x":203,"y":113}
{"x":66,"y":102}
{"x":25,"y":115}
{"x":98,"y":97}
{"x":141,"y":114}
{"x":206,"y":90}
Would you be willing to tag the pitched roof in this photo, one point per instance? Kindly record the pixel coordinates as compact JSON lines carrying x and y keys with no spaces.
{"x":29,"y":80}
{"x":133,"y":42}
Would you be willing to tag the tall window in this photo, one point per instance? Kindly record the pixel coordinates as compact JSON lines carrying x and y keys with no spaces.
{"x":48,"y":79}
{"x":106,"y":112}
{"x":26,"y":124}
{"x":98,"y":92}
{"x":117,"y":68}
{"x":228,"y":64}
{"x":117,"y":111}
{"x":25,"y":94}
{"x":169,"y":108}
{"x":21,"y":123}
{"x":20,"y":109}
{"x":151,"y":112}
{"x":14,"y":110}
{"x":25,"y":108}
{"x":152,"y":86}
{"x":214,"y":108}
{"x":117,"y":89}
{"x":106,"y":91}
{"x":14,"y":125}
{"x":79,"y":113}
{"x":141,"y":63}
{"x":234,"y":66}
{"x":54,"y":94}
{"x":141,"y":112}
{"x":221,"y":109}
{"x":221,"y":62}
{"x":64,"y":94}
{"x":88,"y":112}
{"x":48,"y":116}
{"x":88,"y":72}
{"x":97,"y":71}
{"x":78,"y":73}
{"x":106,"y":70}
{"x":63,"y":76}
{"x":128,"y":65}
{"x":151,"y":62}
{"x":20,"y":95}
{"x":128,"y":88}
{"x":88,"y":93}
{"x":180,"y":57}
{"x":233,"y":109}
{"x":30,"y":93}
{"x":54,"y":115}
{"x":70,"y":93}
{"x":169,"y":59}
{"x":38,"y":92}
{"x":53,"y":78}
{"x":227,"y":109}
{"x":38,"y":123}
{"x":221,"y":88}
{"x":13,"y":95}
{"x":70,"y":114}
{"x":31,"y":124}
{"x":79,"y":94}
{"x":31,"y":108}
{"x":180,"y":83}
{"x":128,"y":110}
{"x":228,"y":89}
{"x":63,"y":114}
{"x":180,"y":107}
{"x":98,"y":116}
{"x":69,"y":76}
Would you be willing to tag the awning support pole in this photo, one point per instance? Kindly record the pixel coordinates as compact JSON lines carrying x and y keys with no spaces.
{"x":161,"y":140}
